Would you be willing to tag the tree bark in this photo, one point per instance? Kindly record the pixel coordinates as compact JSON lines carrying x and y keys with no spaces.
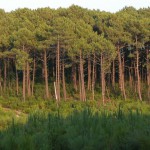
{"x":74,"y":76}
{"x":93,"y":78}
{"x":33,"y":76}
{"x":103,"y":79}
{"x":137,"y":72}
{"x":148,"y":73}
{"x":82,"y":78}
{"x":1,"y":89}
{"x":58,"y":70}
{"x":113,"y":73}
{"x":28,"y":80}
{"x":46,"y":74}
{"x":89,"y":74}
{"x":121,"y":76}
{"x":24,"y":84}
{"x":63,"y":79}
{"x":17,"y":83}
{"x":5,"y":74}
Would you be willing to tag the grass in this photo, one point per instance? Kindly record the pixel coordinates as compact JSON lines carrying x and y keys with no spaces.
{"x":82,"y":130}
{"x":74,"y":125}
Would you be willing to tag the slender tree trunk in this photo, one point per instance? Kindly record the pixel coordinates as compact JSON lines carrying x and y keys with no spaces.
{"x":24,"y":84}
{"x":33,"y":76}
{"x":82,"y":78}
{"x":113,"y":73}
{"x":1,"y":89}
{"x":58,"y":70}
{"x":121,"y":76}
{"x":46,"y":74}
{"x":5,"y":74}
{"x":148,"y":73}
{"x":89,"y":74}
{"x":74,"y":76}
{"x":103,"y":79}
{"x":93,"y":77}
{"x":63,"y":79}
{"x":28,"y":80}
{"x":137,"y":72}
{"x":130,"y":77}
{"x":17,"y":83}
{"x":80,"y":87}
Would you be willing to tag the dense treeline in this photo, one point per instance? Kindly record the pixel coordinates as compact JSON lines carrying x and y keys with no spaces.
{"x":75,"y":51}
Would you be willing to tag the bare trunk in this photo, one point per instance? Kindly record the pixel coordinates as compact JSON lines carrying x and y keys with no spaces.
{"x":137,"y":72}
{"x":148,"y":73}
{"x":58,"y":70}
{"x":74,"y":76}
{"x":93,"y":77}
{"x":113,"y":73}
{"x":17,"y":83}
{"x":82,"y":78}
{"x":103,"y":79}
{"x":1,"y":81}
{"x":80,"y":88}
{"x":5,"y":74}
{"x":121,"y":74}
{"x":89,"y":74}
{"x":33,"y":76}
{"x":46,"y":74}
{"x":28,"y":80}
{"x":63,"y":79}
{"x":24,"y":84}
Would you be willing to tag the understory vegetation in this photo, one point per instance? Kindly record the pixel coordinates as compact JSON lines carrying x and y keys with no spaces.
{"x":75,"y":125}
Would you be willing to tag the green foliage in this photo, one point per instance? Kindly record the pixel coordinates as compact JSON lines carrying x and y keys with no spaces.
{"x":80,"y":130}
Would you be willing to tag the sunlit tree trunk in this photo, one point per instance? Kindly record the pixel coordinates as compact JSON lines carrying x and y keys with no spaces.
{"x":24,"y":84}
{"x":103,"y":78}
{"x":89,"y":73}
{"x":46,"y":74}
{"x":121,"y":76}
{"x":33,"y":76}
{"x":82,"y":78}
{"x":93,"y":78}
{"x":148,"y":72}
{"x":17,"y":83}
{"x":137,"y":72}
{"x":63,"y":79}
{"x":58,"y":70}
{"x":113,"y":73}
{"x":5,"y":74}
{"x":28,"y":80}
{"x":74,"y":76}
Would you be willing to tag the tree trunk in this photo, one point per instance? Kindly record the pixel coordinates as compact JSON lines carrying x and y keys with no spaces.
{"x":46,"y":74}
{"x":89,"y":74}
{"x":5,"y":74}
{"x":74,"y":76}
{"x":113,"y":73}
{"x":93,"y":77}
{"x":63,"y":79}
{"x":121,"y":76}
{"x":24,"y":84}
{"x":148,"y":73}
{"x":28,"y":80}
{"x":103,"y":79}
{"x":82,"y":78}
{"x":58,"y":70}
{"x":17,"y":83}
{"x":33,"y":76}
{"x":137,"y":72}
{"x":1,"y":81}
